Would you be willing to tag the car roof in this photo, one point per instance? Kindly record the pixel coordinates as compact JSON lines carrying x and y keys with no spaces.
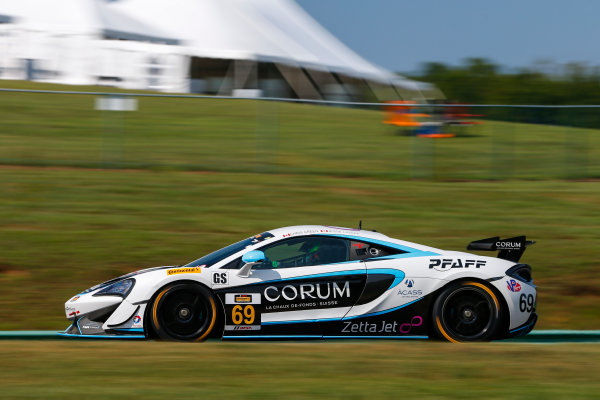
{"x":305,"y":230}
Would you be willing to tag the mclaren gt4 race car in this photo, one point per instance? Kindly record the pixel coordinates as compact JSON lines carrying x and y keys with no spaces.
{"x":318,"y":282}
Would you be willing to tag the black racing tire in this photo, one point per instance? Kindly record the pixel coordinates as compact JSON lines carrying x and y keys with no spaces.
{"x":467,"y":311}
{"x":183,"y":312}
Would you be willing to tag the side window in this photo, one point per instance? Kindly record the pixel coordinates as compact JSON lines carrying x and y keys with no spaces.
{"x":304,"y":251}
{"x":366,"y":251}
{"x":235,"y":264}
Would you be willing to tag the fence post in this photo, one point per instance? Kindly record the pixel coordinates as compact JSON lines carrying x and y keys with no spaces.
{"x":503,"y":149}
{"x":422,"y":160}
{"x":267,"y":136}
{"x":113,"y":109}
{"x":576,"y":150}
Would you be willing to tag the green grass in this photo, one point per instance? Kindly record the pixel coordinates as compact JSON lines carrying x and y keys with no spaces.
{"x":200,"y":174}
{"x":343,"y":370}
{"x":65,"y":229}
{"x":242,"y":135}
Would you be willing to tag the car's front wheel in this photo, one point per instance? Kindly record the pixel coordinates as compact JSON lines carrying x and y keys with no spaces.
{"x":183,"y":311}
{"x":466,"y":311}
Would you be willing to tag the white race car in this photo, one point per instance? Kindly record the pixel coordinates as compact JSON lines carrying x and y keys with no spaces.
{"x":318,"y":282}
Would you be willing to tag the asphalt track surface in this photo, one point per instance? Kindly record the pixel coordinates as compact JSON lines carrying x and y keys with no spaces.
{"x":536,"y":336}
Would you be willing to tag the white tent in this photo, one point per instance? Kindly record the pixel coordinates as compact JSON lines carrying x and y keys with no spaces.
{"x":84,"y":42}
{"x":264,"y":31}
{"x":271,"y":47}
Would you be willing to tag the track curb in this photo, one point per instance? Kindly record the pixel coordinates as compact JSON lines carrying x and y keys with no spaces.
{"x":536,"y":336}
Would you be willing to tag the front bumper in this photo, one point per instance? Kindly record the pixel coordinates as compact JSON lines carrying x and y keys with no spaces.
{"x":103,"y":317}
{"x":83,"y":327}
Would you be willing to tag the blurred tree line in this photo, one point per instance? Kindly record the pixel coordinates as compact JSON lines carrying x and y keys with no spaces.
{"x":479,"y":81}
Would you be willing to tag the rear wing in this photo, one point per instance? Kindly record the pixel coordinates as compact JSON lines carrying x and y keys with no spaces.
{"x":509,"y":249}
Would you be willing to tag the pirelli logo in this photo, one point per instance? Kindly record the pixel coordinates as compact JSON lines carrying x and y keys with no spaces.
{"x":193,"y":270}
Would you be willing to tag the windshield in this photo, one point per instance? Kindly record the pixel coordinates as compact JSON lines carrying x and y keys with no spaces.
{"x":225,"y":252}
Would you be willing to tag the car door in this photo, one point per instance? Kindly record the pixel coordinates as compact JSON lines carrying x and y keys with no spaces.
{"x":302,"y":283}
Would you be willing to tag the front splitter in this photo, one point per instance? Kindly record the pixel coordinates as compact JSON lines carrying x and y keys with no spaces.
{"x":76,"y":336}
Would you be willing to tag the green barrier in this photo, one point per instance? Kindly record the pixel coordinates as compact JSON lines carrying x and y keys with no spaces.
{"x":28,"y":335}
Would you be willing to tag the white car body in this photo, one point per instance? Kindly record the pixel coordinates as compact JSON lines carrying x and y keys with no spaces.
{"x":377,"y":295}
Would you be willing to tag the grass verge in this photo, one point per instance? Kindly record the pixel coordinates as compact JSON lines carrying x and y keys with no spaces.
{"x":64,"y":230}
{"x":341,"y":370}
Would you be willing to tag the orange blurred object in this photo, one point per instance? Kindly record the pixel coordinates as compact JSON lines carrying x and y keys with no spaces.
{"x":399,"y":114}
{"x":436,"y":135}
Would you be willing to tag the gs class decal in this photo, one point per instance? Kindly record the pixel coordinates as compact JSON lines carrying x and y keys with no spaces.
{"x":220,"y":278}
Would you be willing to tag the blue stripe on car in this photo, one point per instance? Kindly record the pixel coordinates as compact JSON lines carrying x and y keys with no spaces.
{"x":301,"y":321}
{"x":521,"y":328}
{"x":398,"y":275}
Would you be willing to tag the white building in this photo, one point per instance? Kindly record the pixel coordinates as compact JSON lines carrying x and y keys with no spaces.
{"x":259,"y":47}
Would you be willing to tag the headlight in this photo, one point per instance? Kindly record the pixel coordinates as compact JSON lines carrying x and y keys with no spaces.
{"x":120,"y":288}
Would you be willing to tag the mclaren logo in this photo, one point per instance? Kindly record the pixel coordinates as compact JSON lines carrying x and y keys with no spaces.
{"x":192,"y":270}
{"x":324,"y":291}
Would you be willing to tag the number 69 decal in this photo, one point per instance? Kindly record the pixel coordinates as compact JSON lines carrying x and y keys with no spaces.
{"x":526,"y":302}
{"x":242,"y":312}
{"x":245,"y":314}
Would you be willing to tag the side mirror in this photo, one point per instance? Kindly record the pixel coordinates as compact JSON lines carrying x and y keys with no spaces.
{"x":251,"y":258}
{"x":255,"y":256}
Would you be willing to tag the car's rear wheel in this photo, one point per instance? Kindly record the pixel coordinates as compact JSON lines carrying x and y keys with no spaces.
{"x":183,"y":311}
{"x":466,"y":311}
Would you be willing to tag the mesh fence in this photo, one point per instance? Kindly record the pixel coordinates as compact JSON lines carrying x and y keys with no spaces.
{"x":142,"y":131}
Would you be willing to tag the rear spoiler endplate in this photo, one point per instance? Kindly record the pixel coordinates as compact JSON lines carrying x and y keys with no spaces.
{"x":510,"y":249}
